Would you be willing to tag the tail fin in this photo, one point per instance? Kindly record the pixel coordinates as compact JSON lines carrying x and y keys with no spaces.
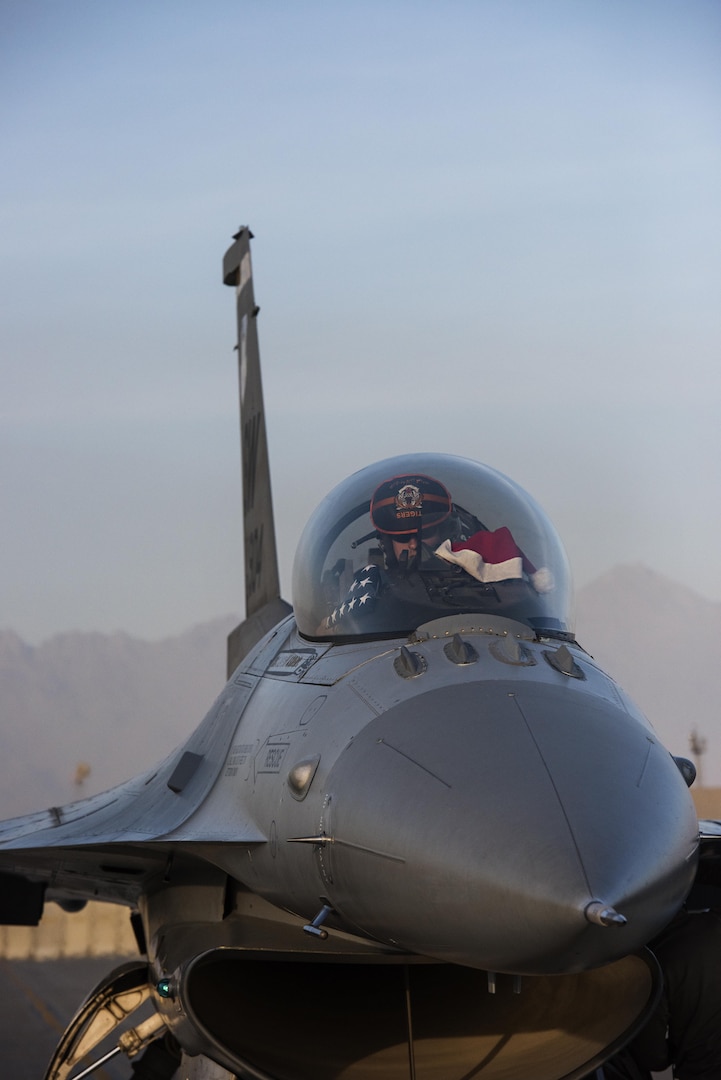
{"x":263,"y":605}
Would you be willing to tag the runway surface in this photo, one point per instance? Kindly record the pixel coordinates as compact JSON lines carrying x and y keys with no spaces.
{"x":38,"y":999}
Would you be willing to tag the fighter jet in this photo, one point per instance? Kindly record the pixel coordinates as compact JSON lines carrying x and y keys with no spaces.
{"x":420,"y":834}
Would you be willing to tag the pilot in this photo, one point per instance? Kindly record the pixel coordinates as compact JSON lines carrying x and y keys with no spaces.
{"x":408,"y":513}
{"x":438,"y":528}
{"x":415,"y":522}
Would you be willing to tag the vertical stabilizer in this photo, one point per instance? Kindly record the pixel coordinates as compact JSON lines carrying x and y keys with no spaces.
{"x":263,"y":605}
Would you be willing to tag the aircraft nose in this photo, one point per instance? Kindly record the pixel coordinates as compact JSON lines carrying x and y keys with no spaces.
{"x":504,"y":828}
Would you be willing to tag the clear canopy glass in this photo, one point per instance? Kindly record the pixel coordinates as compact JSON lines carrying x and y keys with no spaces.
{"x":422,"y":536}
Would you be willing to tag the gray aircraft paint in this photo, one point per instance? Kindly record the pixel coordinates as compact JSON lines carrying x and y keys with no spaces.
{"x":435,"y":855}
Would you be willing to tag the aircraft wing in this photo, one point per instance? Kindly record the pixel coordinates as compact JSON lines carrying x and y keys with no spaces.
{"x":108,"y":846}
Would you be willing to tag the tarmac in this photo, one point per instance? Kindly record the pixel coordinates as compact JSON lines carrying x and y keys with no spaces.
{"x":38,"y":999}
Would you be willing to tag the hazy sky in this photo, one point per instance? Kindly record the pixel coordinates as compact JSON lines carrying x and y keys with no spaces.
{"x":488,"y":227}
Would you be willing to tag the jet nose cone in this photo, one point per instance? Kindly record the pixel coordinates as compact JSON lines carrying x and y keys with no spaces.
{"x":528,"y":830}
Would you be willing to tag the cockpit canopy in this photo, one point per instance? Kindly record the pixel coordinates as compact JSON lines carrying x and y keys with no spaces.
{"x":422,"y":536}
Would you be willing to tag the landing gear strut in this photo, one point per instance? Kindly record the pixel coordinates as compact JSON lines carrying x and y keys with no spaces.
{"x":113,"y":1002}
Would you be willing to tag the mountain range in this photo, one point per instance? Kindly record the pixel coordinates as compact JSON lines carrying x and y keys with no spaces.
{"x":660,"y":641}
{"x":83,"y":711}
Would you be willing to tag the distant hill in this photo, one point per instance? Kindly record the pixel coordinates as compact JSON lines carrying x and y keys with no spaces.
{"x":119,"y":704}
{"x":108,"y":701}
{"x":660,"y":641}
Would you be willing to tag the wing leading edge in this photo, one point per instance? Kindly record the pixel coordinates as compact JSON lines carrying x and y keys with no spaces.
{"x":108,"y":846}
